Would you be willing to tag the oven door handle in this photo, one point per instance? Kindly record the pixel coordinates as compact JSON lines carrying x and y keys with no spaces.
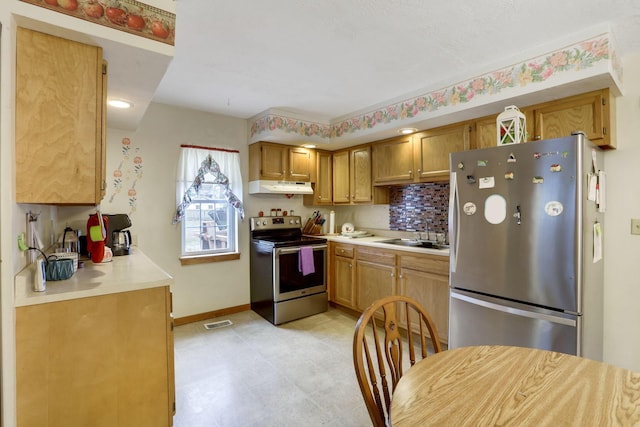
{"x":296,"y":249}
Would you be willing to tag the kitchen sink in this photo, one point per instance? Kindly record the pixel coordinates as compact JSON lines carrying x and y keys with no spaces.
{"x":415,"y":243}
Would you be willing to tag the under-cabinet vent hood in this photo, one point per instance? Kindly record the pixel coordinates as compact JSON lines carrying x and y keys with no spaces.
{"x":279,"y":187}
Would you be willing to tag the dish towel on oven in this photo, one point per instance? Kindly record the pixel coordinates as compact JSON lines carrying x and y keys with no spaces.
{"x":305,"y":260}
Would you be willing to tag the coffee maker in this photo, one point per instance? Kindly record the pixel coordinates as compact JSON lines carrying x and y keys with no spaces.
{"x":118,"y":237}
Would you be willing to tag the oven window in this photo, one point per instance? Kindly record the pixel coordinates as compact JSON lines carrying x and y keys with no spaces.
{"x":292,"y":280}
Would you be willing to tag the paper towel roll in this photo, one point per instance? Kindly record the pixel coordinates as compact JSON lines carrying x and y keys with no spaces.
{"x":332,"y":222}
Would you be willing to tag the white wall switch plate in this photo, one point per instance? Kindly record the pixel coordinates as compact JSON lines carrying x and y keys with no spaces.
{"x":635,"y":226}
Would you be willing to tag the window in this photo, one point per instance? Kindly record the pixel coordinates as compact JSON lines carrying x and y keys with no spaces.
{"x":208,"y":182}
{"x":205,"y":226}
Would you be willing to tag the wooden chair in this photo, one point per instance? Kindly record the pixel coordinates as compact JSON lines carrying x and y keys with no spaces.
{"x":382,"y":348}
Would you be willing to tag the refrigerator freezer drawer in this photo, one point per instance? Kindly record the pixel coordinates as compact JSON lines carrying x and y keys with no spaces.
{"x":480,"y":320}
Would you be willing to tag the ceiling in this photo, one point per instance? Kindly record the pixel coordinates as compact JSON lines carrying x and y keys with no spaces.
{"x":332,"y":58}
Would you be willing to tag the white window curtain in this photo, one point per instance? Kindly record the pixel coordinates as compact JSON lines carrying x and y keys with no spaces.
{"x":221,"y":166}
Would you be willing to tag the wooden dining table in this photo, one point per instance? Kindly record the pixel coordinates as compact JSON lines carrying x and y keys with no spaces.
{"x":514,"y":386}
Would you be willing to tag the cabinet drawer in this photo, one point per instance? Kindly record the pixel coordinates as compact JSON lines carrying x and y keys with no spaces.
{"x":428,"y":263}
{"x":344,"y":251}
{"x":375,"y":255}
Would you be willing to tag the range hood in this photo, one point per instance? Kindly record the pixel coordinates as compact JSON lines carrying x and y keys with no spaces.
{"x":279,"y":187}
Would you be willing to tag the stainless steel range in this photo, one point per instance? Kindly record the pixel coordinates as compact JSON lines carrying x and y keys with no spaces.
{"x":282,"y":288}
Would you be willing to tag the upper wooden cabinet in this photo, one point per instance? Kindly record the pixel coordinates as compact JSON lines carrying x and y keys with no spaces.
{"x":421,"y":157}
{"x":393,"y":161}
{"x":60,"y":120}
{"x":590,"y":113}
{"x":323,"y":186}
{"x":432,"y":148}
{"x":352,"y":176}
{"x":279,"y":162}
{"x":485,"y":133}
{"x":484,"y":130}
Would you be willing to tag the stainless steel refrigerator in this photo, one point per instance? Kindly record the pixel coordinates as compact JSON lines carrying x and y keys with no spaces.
{"x":524,"y":221}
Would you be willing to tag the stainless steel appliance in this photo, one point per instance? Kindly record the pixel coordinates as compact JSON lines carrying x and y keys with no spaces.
{"x":118,"y":238}
{"x":521,"y":230}
{"x":280,"y":292}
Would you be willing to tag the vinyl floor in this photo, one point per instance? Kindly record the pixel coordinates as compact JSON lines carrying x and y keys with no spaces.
{"x":252,"y":373}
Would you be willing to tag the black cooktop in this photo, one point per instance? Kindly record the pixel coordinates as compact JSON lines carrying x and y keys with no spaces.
{"x":281,"y":232}
{"x":285,"y":241}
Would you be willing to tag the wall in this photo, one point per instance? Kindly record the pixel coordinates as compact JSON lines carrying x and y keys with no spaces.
{"x":141,"y":170}
{"x":621,"y":249}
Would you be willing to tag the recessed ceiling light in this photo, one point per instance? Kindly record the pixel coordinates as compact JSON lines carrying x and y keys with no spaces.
{"x":407,"y":131}
{"x":308,"y":146}
{"x":120,"y":103}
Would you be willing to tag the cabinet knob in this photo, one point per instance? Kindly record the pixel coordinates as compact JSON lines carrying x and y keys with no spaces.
{"x":350,"y":266}
{"x":410,"y":173}
{"x":419,"y":171}
{"x":538,"y":137}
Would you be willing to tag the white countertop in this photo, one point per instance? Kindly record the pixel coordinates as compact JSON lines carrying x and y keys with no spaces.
{"x":375,"y":241}
{"x":123,"y":274}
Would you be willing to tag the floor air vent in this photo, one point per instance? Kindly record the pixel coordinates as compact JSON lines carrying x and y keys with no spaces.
{"x":216,"y":325}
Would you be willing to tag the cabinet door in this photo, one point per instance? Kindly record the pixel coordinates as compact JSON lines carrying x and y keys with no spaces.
{"x":486,"y":132}
{"x":587,"y":113}
{"x":323,"y":192}
{"x":299,"y":164}
{"x":360,"y":182}
{"x":432,"y":150}
{"x":273,"y":161}
{"x":432,"y":292}
{"x":393,"y":161}
{"x":341,"y":177}
{"x":344,"y":282}
{"x":374,"y":281}
{"x":59,"y":113}
{"x":96,"y":361}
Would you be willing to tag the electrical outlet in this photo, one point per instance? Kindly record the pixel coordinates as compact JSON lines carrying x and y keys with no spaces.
{"x":635,"y":226}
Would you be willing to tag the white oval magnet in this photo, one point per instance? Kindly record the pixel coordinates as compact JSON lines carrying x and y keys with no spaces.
{"x":553,"y":208}
{"x":469,"y":208}
{"x":495,"y":209}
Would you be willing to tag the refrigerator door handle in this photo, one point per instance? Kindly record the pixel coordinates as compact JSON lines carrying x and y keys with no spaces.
{"x":514,"y":311}
{"x":454,"y":223}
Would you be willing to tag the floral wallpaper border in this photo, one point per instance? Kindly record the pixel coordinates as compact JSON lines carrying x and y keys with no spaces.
{"x":575,"y":58}
{"x":130,"y":16}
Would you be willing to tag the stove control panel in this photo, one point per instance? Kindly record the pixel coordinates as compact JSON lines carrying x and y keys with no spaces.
{"x":275,"y":222}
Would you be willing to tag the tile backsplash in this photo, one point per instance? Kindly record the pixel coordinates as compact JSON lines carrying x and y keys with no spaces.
{"x":419,"y":207}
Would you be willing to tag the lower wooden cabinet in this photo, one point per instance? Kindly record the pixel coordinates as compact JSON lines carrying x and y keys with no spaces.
{"x":380,"y":272}
{"x":431,"y":291}
{"x":373,"y":281}
{"x":343,"y":290}
{"x":97,"y":361}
